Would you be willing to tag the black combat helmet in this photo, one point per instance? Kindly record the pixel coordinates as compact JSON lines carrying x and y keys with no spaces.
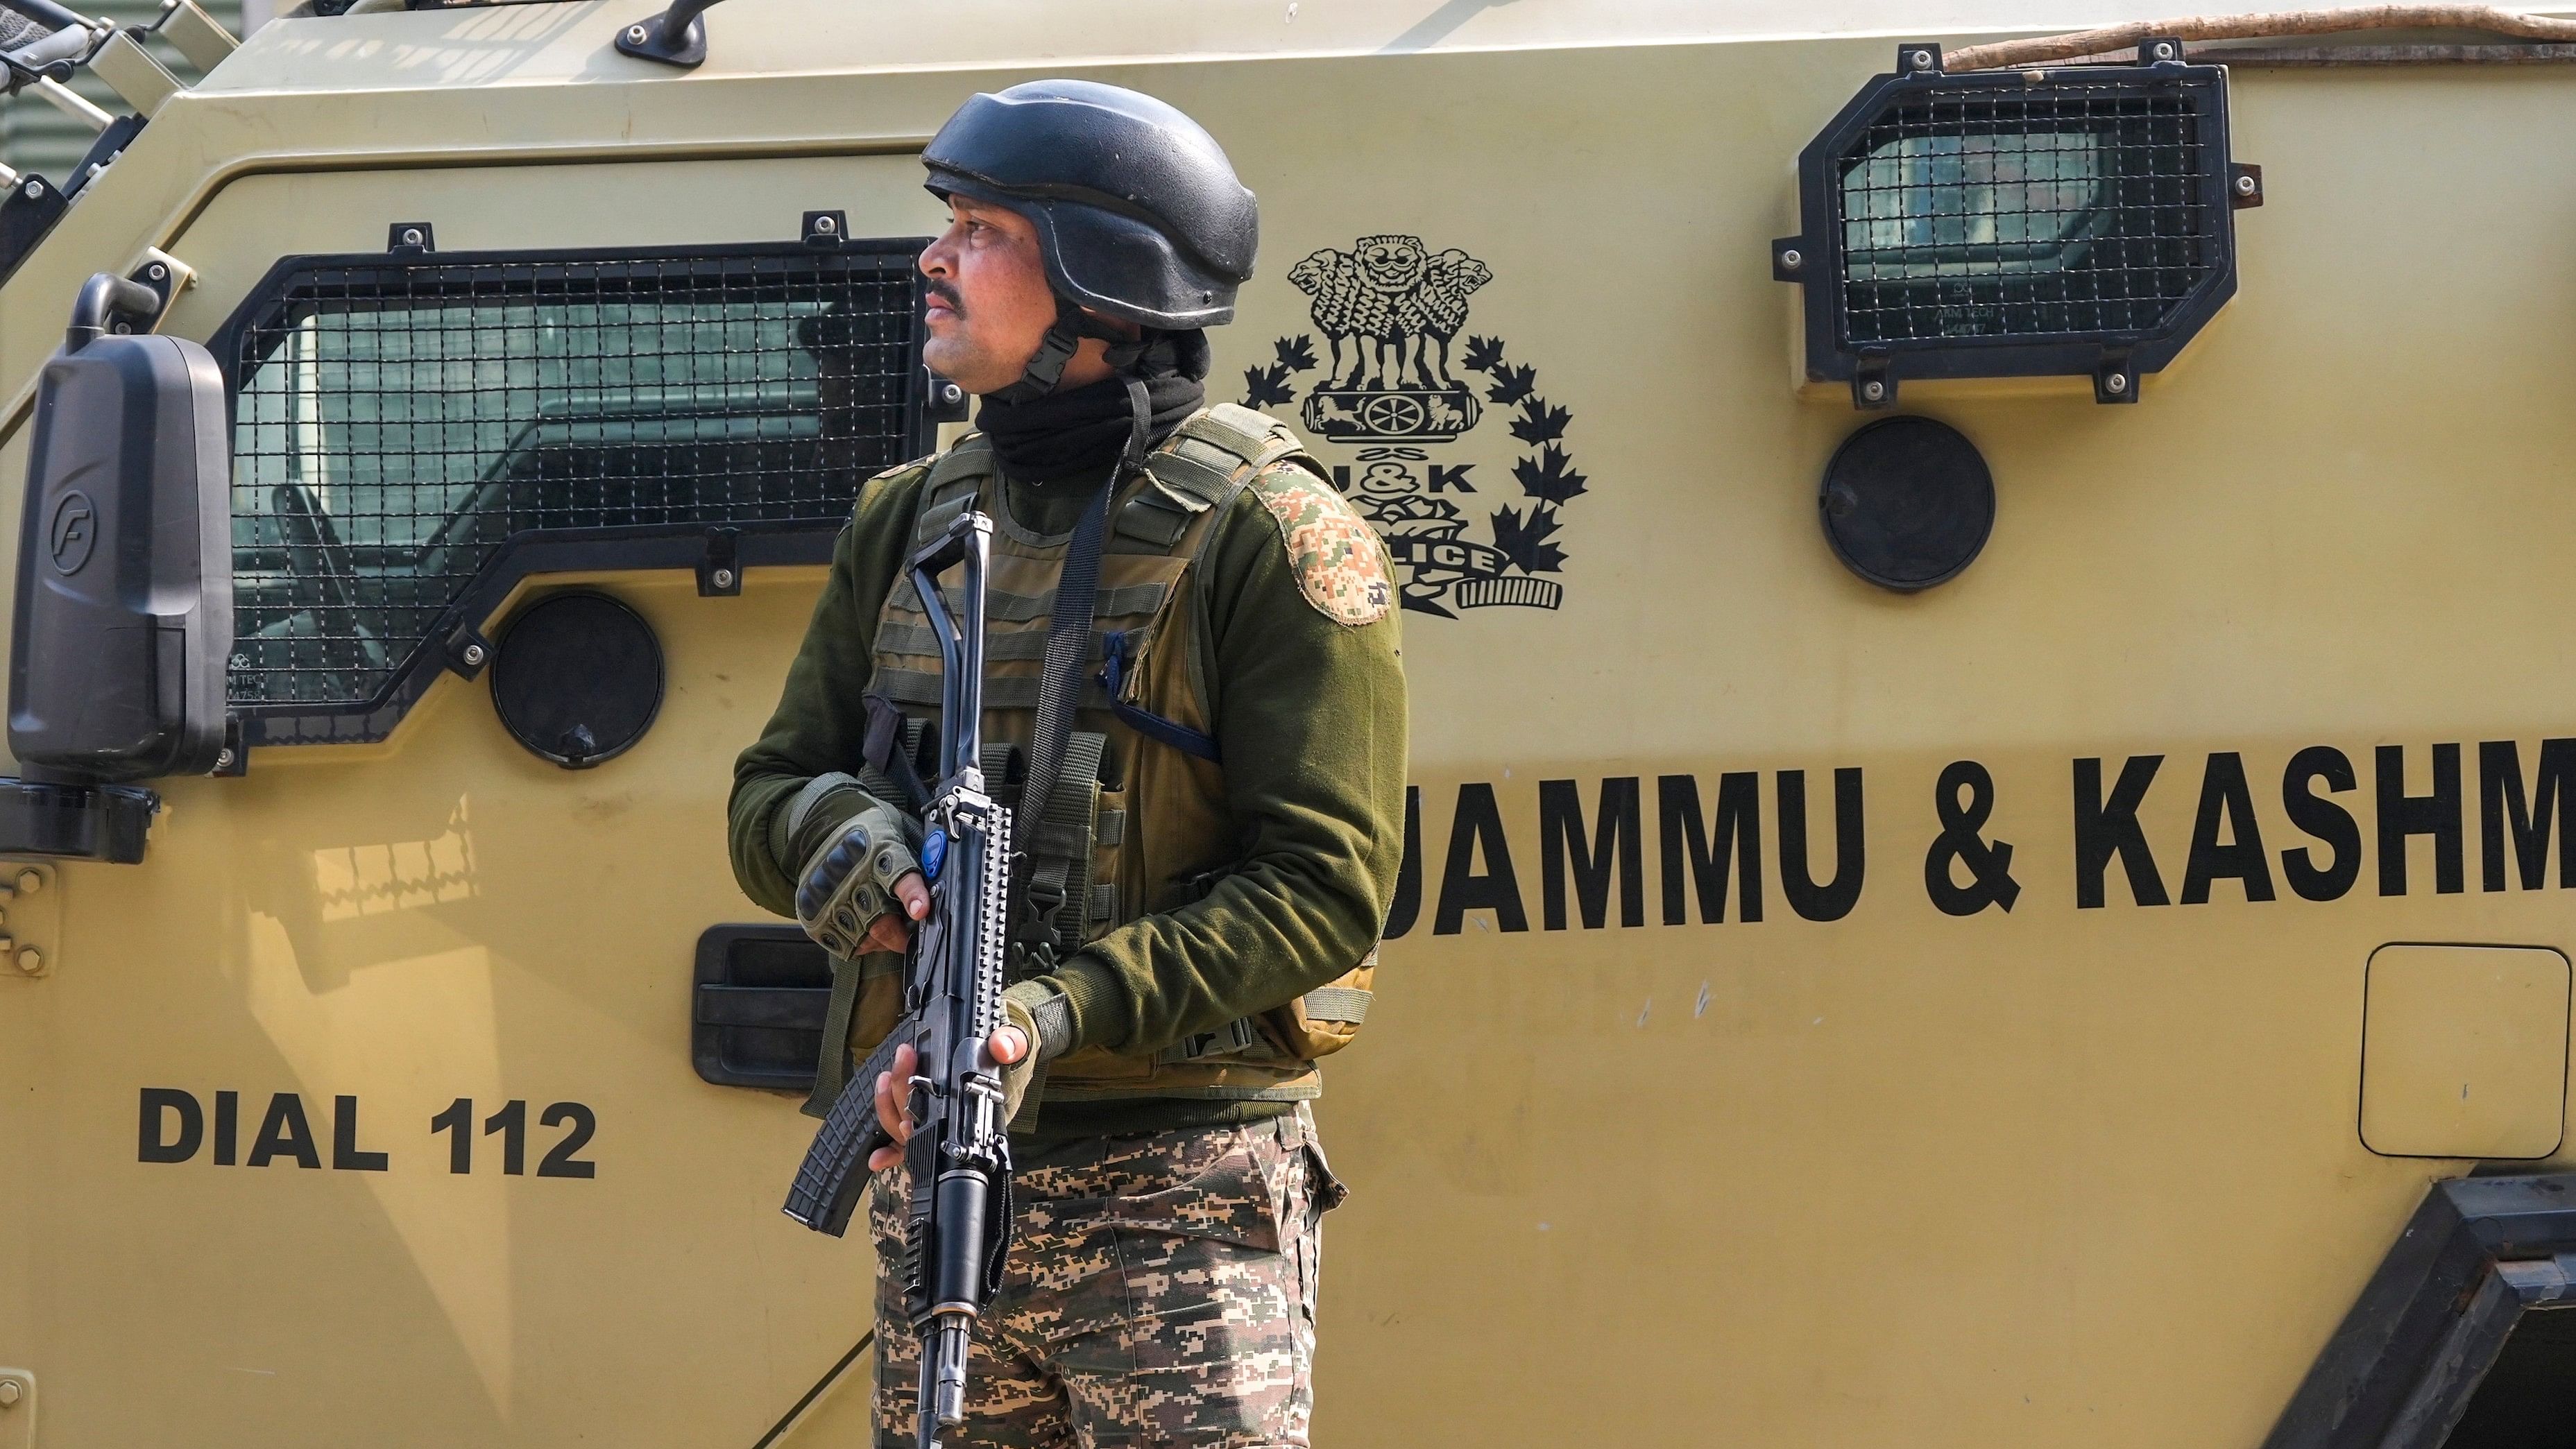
{"x":1138,"y":212}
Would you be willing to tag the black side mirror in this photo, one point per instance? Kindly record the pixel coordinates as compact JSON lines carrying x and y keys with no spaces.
{"x":125,"y":599}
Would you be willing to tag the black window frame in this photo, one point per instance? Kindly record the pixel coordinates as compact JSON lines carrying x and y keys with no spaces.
{"x":1815,"y":259}
{"x":532,"y":552}
{"x":2401,"y":1368}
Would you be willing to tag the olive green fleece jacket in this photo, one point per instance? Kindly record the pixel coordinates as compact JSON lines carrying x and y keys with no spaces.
{"x":1310,"y":714}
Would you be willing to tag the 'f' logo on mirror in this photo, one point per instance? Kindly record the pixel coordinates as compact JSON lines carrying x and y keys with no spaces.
{"x":73,"y":532}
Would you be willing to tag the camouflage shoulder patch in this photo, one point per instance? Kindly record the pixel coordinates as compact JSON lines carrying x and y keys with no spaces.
{"x":1341,"y":565}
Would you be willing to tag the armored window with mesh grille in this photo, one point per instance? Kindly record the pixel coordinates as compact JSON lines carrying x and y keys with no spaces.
{"x":2014,"y":223}
{"x":413,"y":435}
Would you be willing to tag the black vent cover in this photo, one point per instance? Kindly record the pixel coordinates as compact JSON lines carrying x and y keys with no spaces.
{"x":577,"y":678}
{"x":1907,"y":503}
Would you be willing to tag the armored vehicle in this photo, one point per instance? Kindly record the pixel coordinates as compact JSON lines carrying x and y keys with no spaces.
{"x":1995,"y":717}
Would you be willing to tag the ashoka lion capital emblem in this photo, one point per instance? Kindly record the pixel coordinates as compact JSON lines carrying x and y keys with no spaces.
{"x":1394,"y":309}
{"x":1392,"y":312}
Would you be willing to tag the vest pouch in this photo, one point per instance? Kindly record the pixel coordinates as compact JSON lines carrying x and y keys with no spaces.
{"x":1057,"y":838}
{"x":1108,"y":909}
{"x":1326,"y":1019}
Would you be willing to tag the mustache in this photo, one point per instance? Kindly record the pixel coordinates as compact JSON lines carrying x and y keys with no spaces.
{"x":947,"y":295}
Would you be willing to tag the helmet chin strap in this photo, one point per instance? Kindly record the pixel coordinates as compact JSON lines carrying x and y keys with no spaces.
{"x":1157,"y":352}
{"x":1045,"y":372}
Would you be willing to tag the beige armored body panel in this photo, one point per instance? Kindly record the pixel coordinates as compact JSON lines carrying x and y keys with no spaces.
{"x":1995,"y":724}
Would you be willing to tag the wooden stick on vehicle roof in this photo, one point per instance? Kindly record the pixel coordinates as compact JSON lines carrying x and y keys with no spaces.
{"x":2041,"y":49}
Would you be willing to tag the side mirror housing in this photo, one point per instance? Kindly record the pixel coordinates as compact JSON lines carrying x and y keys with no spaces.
{"x":124,"y":591}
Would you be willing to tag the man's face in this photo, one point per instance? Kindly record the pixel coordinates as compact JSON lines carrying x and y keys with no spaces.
{"x":989,"y":305}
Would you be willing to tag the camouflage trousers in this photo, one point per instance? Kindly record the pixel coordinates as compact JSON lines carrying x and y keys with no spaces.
{"x":1161,"y":1290}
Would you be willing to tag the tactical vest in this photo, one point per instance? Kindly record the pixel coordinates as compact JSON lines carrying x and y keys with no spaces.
{"x":1138,"y":822}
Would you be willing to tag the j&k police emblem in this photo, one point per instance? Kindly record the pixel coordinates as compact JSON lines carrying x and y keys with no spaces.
{"x":1405,"y":406}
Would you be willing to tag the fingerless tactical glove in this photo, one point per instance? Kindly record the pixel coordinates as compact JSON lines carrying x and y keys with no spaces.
{"x":847,"y":880}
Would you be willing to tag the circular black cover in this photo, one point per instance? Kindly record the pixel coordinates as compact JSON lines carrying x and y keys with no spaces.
{"x":1138,"y":211}
{"x":1907,"y":502}
{"x":577,"y":678}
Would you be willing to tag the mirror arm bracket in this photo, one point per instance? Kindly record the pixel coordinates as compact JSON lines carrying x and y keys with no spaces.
{"x":676,"y":37}
{"x":110,"y":301}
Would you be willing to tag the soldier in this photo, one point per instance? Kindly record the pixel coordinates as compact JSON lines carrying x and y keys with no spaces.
{"x":1211,"y":830}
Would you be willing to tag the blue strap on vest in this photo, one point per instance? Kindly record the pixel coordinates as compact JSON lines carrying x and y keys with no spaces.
{"x":1113,"y":672}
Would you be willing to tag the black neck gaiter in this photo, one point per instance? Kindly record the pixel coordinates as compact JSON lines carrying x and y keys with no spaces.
{"x":1080,"y":433}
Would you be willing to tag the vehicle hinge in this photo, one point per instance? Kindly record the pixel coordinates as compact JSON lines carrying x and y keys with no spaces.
{"x":133,"y":74}
{"x":1789,"y":259}
{"x":720,"y":567}
{"x":111,"y":143}
{"x":31,"y":933}
{"x":234,"y":762}
{"x":30,"y":210}
{"x":2114,"y":380}
{"x":2244,"y":185}
{"x":946,"y":401}
{"x":17,"y":1408}
{"x":467,"y":651}
{"x":1873,"y":382}
{"x":197,"y":35}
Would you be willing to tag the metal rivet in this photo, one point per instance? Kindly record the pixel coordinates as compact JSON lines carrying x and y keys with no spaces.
{"x":10,"y":1393}
{"x":635,"y":33}
{"x":951,"y":393}
{"x":2164,"y":50}
{"x":1790,"y":260}
{"x":473,"y":654}
{"x":2117,"y":382}
{"x":224,"y":760}
{"x":2245,"y":185}
{"x":721,"y":578}
{"x":1873,"y":390}
{"x":157,"y":271}
{"x":825,"y":223}
{"x":30,"y":960}
{"x":1921,"y":60}
{"x":411,"y":236}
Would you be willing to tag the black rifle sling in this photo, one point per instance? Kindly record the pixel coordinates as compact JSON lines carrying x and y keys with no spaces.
{"x":1068,"y":640}
{"x":1068,"y":650}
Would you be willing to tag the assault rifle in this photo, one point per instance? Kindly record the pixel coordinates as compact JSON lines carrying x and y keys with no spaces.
{"x":958,"y":1219}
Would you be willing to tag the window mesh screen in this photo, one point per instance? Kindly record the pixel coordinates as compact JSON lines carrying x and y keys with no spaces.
{"x":2071,"y":210}
{"x":397,"y":424}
